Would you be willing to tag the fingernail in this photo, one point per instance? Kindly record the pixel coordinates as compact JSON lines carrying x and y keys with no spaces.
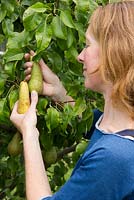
{"x":33,"y":92}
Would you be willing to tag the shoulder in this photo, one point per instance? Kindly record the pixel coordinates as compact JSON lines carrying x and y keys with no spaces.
{"x":111,"y":149}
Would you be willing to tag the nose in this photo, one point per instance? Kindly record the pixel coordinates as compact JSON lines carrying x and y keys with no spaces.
{"x":80,"y":57}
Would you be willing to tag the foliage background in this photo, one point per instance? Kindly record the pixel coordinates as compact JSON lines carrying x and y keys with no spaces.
{"x":55,"y":30}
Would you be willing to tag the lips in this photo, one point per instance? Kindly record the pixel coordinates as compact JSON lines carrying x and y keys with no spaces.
{"x":84,"y":71}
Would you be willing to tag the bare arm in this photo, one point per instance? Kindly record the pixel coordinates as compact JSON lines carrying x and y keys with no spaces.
{"x":37,"y":184}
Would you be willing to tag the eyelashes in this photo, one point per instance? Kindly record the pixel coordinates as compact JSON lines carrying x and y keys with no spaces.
{"x":86,"y":46}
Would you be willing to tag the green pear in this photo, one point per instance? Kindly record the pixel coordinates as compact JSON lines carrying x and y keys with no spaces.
{"x":36,"y":80}
{"x":81,"y":147}
{"x":50,"y":156}
{"x":15,"y":147}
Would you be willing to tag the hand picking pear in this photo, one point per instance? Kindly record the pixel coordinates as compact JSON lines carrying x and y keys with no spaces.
{"x":24,"y":100}
{"x":36,"y":81}
{"x":15,"y":147}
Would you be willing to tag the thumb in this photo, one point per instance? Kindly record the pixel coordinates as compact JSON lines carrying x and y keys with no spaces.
{"x":14,"y":111}
{"x":34,"y":99}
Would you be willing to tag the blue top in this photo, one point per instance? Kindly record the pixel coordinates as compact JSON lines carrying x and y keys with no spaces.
{"x":105,"y":171}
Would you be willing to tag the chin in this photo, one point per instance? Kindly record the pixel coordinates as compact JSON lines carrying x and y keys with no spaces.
{"x":89,"y":85}
{"x":92,"y":87}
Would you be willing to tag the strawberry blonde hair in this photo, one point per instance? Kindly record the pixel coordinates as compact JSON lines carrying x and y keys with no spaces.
{"x":112,"y":26}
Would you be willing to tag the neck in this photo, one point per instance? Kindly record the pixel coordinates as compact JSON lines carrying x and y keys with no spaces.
{"x":115,"y":119}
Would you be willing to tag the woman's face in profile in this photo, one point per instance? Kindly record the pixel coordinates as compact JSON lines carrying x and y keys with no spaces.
{"x":89,"y":57}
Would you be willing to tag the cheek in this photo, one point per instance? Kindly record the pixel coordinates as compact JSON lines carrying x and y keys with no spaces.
{"x":92,"y":59}
{"x":93,"y":82}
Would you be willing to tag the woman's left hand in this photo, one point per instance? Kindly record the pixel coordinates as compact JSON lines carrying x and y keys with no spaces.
{"x":26,"y":122}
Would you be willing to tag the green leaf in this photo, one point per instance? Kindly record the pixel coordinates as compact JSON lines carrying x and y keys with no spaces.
{"x":82,"y":4}
{"x":76,"y":69}
{"x":13,"y":54}
{"x":80,"y":28}
{"x":58,"y":28}
{"x":9,"y":6}
{"x":10,"y":68}
{"x":19,"y":40}
{"x":12,"y":98}
{"x":55,"y":59}
{"x":32,"y":16}
{"x":67,"y":18}
{"x":52,"y":118}
{"x":3,"y":79}
{"x":41,"y":106}
{"x":43,"y":36}
{"x":80,"y":107}
{"x":85,"y":124}
{"x":62,"y":44}
{"x":1,"y":38}
{"x":2,"y":13}
{"x":71,"y":54}
{"x":38,"y":7}
{"x":31,"y":22}
{"x":4,"y":112}
{"x":70,"y":38}
{"x":7,"y":26}
{"x":92,"y":6}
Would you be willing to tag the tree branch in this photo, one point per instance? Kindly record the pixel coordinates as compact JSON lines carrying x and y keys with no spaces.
{"x":65,"y":151}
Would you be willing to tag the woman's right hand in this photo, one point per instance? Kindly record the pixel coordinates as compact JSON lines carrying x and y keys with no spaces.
{"x":52,"y":86}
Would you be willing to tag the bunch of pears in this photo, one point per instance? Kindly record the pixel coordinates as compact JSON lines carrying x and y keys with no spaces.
{"x":35,"y":83}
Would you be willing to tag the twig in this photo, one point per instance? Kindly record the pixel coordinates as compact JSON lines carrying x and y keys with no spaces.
{"x":65,"y":151}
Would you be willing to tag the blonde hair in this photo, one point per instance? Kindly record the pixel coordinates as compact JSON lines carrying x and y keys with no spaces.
{"x":112,"y":26}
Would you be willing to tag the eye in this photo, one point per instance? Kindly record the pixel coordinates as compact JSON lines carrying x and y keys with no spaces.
{"x":86,"y":46}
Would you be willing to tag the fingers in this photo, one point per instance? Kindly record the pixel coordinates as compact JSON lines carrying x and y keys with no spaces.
{"x":28,"y":55}
{"x":34,"y":100}
{"x":28,"y":69}
{"x":43,"y":64}
{"x":28,"y":65}
{"x":14,"y":111}
{"x":48,"y":74}
{"x":27,"y":78}
{"x":32,"y":53}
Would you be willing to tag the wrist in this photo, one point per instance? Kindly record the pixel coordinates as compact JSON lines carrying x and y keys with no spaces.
{"x":61,"y":95}
{"x":65,"y":100}
{"x":31,"y":132}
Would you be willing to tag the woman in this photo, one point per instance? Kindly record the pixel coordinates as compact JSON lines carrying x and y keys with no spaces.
{"x":105,"y":171}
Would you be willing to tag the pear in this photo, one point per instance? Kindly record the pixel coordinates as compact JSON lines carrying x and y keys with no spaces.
{"x":15,"y":147}
{"x":36,"y":80}
{"x":50,"y":156}
{"x":24,"y":100}
{"x":81,"y":147}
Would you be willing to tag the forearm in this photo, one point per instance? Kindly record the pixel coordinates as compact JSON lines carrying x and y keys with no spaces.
{"x":37,"y":185}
